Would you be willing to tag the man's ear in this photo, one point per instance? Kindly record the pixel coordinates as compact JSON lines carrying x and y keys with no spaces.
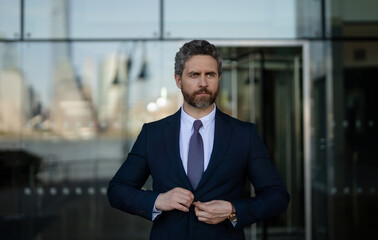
{"x":178,"y":80}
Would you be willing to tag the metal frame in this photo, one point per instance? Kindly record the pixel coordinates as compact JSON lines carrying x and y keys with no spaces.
{"x":324,"y":36}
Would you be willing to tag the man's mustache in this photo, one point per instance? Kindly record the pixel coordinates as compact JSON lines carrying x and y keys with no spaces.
{"x":203,"y":90}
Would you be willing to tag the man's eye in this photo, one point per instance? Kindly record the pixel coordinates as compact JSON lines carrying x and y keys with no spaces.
{"x":210,"y":75}
{"x":194,"y":75}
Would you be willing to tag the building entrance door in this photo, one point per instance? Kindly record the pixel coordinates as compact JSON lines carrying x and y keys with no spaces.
{"x":264,"y":85}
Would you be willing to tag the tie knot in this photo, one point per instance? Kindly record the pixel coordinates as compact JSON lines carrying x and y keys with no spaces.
{"x":197,"y":125}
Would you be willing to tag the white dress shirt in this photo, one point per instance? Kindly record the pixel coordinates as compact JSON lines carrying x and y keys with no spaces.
{"x":207,"y":134}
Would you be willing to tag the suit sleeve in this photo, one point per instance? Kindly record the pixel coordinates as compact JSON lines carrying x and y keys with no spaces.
{"x":124,"y":191}
{"x":271,"y":197}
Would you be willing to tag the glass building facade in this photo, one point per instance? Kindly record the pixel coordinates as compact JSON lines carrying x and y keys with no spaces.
{"x":78,"y":78}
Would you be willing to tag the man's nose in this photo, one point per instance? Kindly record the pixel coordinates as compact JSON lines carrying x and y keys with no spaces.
{"x":202,"y":81}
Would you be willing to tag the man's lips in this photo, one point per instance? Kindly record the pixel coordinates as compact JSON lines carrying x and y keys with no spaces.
{"x":202,"y":92}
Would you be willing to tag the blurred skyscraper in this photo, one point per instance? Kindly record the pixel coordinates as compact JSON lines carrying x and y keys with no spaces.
{"x":73,"y":110}
{"x":14,"y":102}
{"x":112,"y":97}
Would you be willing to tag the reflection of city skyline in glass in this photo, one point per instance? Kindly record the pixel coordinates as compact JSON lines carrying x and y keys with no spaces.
{"x":68,"y":103}
{"x":72,"y":111}
{"x":84,"y":94}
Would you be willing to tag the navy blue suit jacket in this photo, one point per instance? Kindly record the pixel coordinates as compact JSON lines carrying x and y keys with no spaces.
{"x":238,"y":154}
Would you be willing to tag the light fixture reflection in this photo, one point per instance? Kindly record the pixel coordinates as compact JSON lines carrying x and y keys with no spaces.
{"x":152,"y":107}
{"x":161,"y":102}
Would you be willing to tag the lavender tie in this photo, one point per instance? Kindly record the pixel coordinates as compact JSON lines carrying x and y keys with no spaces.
{"x":195,"y":155}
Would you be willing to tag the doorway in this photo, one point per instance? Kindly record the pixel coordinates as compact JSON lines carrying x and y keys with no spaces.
{"x":264,"y":85}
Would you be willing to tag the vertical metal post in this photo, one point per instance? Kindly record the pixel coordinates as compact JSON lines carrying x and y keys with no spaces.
{"x":261,"y":103}
{"x":307,"y":139}
{"x":252,"y":87}
{"x":252,"y":119}
{"x":234,"y":88}
{"x":323,"y":19}
{"x":330,"y":136}
{"x":22,"y":12}
{"x":161,"y":19}
{"x":297,"y":119}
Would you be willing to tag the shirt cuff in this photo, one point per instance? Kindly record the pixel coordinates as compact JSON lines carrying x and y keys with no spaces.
{"x":155,"y":212}
{"x":234,"y":223}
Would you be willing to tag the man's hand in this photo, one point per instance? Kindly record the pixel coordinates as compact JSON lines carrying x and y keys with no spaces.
{"x":176,"y":198}
{"x":213,"y":212}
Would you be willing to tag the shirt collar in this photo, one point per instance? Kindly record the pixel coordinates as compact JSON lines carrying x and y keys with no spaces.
{"x":206,"y":120}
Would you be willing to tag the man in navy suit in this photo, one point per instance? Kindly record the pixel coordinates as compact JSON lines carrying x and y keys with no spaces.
{"x":199,"y":168}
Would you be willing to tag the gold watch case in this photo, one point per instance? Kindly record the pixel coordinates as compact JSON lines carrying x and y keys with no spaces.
{"x":233,"y":217}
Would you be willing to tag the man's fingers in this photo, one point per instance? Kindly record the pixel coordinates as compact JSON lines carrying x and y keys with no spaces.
{"x":201,"y":206}
{"x":184,"y":201}
{"x":183,"y":191}
{"x":180,"y":207}
{"x":176,"y":198}
{"x":206,"y":217}
{"x":198,"y":204}
{"x":202,"y":214}
{"x":183,"y":194}
{"x":212,"y":212}
{"x":183,"y":197}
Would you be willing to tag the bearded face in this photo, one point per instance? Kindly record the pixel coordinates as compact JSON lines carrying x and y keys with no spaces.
{"x":201,"y":98}
{"x":199,"y":82}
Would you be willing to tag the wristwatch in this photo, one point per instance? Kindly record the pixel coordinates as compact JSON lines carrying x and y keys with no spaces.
{"x":232,"y":217}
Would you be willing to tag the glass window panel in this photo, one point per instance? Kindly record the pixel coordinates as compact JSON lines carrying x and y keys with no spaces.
{"x":79,"y":108}
{"x":268,"y":83}
{"x":87,"y":90}
{"x":309,"y":19}
{"x":354,"y":172}
{"x":92,"y":19}
{"x":321,"y":160}
{"x":228,"y":19}
{"x":356,"y":11}
{"x":344,"y":174}
{"x":350,"y":18}
{"x":9,"y":19}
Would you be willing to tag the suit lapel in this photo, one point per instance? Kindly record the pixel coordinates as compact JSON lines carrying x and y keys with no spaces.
{"x":222,"y":136}
{"x":172,"y":144}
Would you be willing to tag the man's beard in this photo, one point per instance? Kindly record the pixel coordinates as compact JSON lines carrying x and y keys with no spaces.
{"x":201,"y":101}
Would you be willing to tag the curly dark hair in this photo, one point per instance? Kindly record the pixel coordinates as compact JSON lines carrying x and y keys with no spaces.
{"x":196,"y":47}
